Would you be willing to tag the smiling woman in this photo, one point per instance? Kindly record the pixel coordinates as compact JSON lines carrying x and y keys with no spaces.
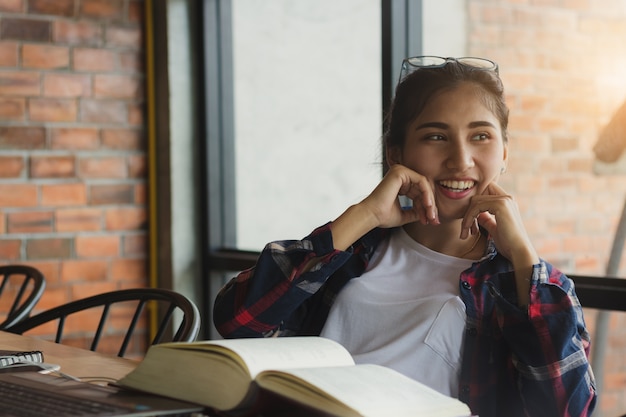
{"x":450,"y":291}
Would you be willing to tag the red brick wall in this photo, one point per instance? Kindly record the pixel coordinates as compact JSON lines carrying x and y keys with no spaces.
{"x":563,"y":64}
{"x":73,"y":144}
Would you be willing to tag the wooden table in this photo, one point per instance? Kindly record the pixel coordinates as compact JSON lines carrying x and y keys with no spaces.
{"x":77,"y":362}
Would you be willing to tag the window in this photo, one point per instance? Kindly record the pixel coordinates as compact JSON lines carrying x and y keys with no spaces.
{"x":307,"y":113}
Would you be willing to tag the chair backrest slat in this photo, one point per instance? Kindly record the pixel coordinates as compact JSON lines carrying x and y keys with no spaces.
{"x":101,"y":324}
{"x":131,"y":327}
{"x":165,"y":320}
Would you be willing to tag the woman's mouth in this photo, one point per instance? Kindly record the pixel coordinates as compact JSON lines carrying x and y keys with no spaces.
{"x":457,"y":186}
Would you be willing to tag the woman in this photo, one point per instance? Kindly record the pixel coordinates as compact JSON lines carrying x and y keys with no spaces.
{"x":448,"y":290}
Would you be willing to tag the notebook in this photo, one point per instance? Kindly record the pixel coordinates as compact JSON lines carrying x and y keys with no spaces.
{"x":9,"y":357}
{"x":33,"y":393}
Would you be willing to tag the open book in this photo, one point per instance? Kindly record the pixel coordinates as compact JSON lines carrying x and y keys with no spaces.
{"x":228,"y":375}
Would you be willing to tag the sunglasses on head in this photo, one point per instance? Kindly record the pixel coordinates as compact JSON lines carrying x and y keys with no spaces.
{"x":415,"y":63}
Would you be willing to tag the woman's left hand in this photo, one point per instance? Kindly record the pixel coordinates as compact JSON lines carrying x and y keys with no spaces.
{"x":497,"y":212}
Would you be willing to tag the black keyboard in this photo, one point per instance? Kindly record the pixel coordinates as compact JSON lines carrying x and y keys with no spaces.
{"x":18,"y":401}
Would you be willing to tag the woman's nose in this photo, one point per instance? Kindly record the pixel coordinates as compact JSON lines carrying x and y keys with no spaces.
{"x":460,"y":157}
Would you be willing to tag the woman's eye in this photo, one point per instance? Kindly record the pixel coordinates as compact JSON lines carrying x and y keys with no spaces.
{"x":480,"y":136}
{"x":435,"y":137}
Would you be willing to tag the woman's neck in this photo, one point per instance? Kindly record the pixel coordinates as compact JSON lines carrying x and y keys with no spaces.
{"x":444,"y":238}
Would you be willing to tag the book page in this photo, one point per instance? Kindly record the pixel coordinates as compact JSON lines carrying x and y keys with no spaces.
{"x":280,"y":353}
{"x":364,"y":390}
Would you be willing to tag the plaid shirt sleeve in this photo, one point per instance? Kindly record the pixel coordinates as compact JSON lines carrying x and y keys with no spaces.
{"x":524,"y":361}
{"x":263,"y":300}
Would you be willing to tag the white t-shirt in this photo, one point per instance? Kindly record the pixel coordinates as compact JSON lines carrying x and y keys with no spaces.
{"x":405,"y":313}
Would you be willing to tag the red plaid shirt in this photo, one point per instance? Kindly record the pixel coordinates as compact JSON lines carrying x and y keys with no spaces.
{"x":516,"y":361}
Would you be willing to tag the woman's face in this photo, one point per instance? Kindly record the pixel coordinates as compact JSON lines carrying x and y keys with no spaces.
{"x":457,"y":144}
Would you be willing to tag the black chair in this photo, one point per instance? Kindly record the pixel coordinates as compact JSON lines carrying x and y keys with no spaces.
{"x":20,"y":290}
{"x":138,"y":298}
{"x":602,"y":293}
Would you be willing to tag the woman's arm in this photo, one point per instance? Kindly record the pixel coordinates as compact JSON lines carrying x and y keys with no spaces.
{"x":259,"y":299}
{"x":550,"y":347}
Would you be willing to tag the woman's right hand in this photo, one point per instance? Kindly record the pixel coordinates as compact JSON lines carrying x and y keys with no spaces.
{"x":402,"y":181}
{"x":381,"y":208}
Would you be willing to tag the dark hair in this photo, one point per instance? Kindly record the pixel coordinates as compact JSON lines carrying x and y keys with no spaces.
{"x":417,"y":88}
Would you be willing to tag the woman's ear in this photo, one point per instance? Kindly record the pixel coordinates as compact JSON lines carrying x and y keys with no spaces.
{"x":394,"y":155}
{"x":505,"y":158}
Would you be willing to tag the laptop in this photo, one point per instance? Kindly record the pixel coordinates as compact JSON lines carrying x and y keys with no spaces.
{"x":35,"y":394}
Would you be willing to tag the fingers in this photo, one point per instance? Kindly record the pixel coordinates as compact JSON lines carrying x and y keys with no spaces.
{"x":421,"y":194}
{"x":494,"y":189}
{"x":484,"y":209}
{"x":384,"y":204}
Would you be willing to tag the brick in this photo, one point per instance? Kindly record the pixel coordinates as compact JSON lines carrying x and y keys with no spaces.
{"x":2,"y":223}
{"x":124,"y":139}
{"x":30,"y":222}
{"x":25,"y":29}
{"x":10,"y":249}
{"x":35,"y":56}
{"x":12,"y":109}
{"x":52,"y":166}
{"x":19,"y":84}
{"x":56,"y":7}
{"x":48,"y":248}
{"x":132,"y":62}
{"x":77,"y":33}
{"x":134,"y":245}
{"x":50,"y":270}
{"x":136,"y":114}
{"x":115,"y":194}
{"x":75,"y":139}
{"x":103,"y":111}
{"x":562,"y":183}
{"x":18,"y":195}
{"x":12,"y":6}
{"x":53,"y":110}
{"x":63,"y":195}
{"x":136,"y":11}
{"x":565,"y":144}
{"x":117,"y":86}
{"x":582,"y":165}
{"x":53,"y":296}
{"x":124,"y":37}
{"x":22,"y":137}
{"x":112,"y":167}
{"x":105,"y":246}
{"x":141,"y":194}
{"x":129,"y":270}
{"x":80,"y":291}
{"x":8,"y":54}
{"x":66,"y":85}
{"x":78,"y":220}
{"x":11,"y":166}
{"x":102,"y":9}
{"x":94,"y":59}
{"x":137,"y":166}
{"x":81,"y":270}
{"x":126,"y":219}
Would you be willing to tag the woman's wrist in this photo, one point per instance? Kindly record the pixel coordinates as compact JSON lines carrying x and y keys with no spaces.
{"x":353,"y":223}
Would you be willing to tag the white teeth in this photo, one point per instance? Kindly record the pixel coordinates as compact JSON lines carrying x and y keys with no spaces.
{"x":457,"y":185}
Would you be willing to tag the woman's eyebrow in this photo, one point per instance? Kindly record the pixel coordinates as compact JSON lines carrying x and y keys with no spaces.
{"x":441,"y":125}
{"x":482,"y":123}
{"x":438,"y":125}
